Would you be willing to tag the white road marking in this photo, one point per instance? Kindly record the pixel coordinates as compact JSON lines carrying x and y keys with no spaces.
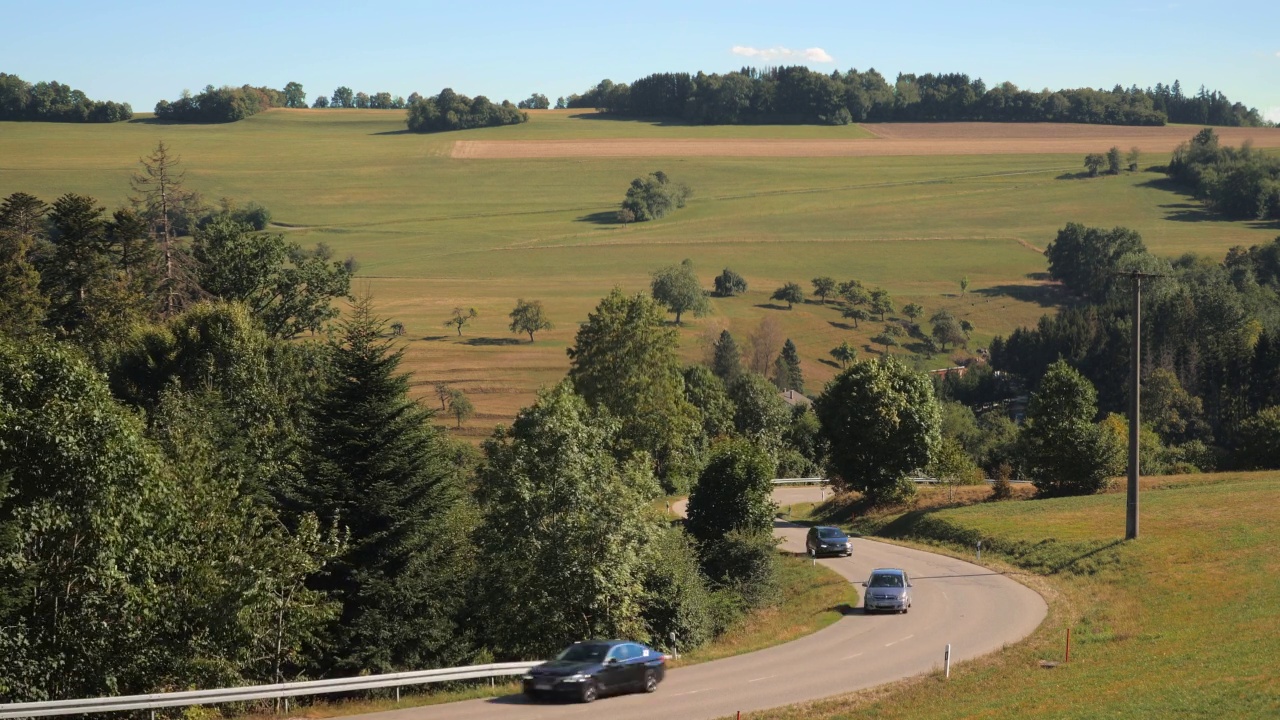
{"x":688,"y":693}
{"x":766,"y":677}
{"x":944,"y":595}
{"x":850,"y":657}
{"x":895,"y":642}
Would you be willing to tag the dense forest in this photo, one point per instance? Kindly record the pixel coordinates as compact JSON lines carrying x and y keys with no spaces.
{"x":54,"y":102}
{"x":219,"y":105}
{"x":797,"y":94}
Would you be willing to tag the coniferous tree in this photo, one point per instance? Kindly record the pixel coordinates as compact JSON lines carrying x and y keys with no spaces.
{"x":787,"y":375}
{"x":22,"y":305}
{"x":727,"y":364}
{"x":379,"y":471}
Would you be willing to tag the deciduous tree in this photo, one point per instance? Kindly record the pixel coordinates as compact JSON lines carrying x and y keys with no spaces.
{"x":790,"y":293}
{"x":881,"y":421}
{"x":461,"y":318}
{"x":1064,"y":452}
{"x":529,"y":317}
{"x":734,"y":492}
{"x":676,"y":287}
{"x":844,"y":353}
{"x":729,"y":283}
{"x":824,"y":287}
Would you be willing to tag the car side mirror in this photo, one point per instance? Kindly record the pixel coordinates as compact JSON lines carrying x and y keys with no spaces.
{"x":611,"y":661}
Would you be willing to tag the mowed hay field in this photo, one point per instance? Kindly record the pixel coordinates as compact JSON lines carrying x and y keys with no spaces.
{"x":432,"y":231}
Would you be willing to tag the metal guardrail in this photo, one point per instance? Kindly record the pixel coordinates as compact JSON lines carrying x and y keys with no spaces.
{"x":800,"y":481}
{"x":259,"y":692}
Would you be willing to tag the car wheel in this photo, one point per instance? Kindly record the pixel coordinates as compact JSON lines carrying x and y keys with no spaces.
{"x":533,"y":695}
{"x":650,"y":681}
{"x":589,"y":691}
{"x":812,"y":553}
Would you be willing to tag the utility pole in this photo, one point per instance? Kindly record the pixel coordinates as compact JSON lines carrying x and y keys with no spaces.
{"x":1135,"y":404}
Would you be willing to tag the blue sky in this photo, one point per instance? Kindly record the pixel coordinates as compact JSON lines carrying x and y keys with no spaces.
{"x":144,"y":51}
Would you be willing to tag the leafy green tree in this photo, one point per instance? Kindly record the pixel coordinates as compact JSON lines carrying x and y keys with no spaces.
{"x":964,"y":284}
{"x":881,"y":421}
{"x":1064,"y":452}
{"x":856,"y":314}
{"x":461,"y":318}
{"x":886,"y":338}
{"x":289,"y":289}
{"x":946,"y":329}
{"x":652,"y":197}
{"x":1260,"y":440}
{"x":294,"y":97}
{"x":626,"y":217}
{"x":787,"y":374}
{"x":1094,"y":162}
{"x":676,"y":599}
{"x":853,"y":293}
{"x":583,"y":524}
{"x":22,"y":305}
{"x":952,"y":465}
{"x":376,"y":468}
{"x":727,"y":363}
{"x":321,"y":102}
{"x":729,"y":283}
{"x":824,"y":287}
{"x":1175,"y":414}
{"x":790,"y":293}
{"x":624,"y":359}
{"x":677,"y":288}
{"x":760,"y":414}
{"x":460,"y":407}
{"x":1114,"y":160}
{"x":844,"y":353}
{"x":881,"y":302}
{"x":343,"y":97}
{"x":734,"y":492}
{"x":1132,"y":159}
{"x":529,"y":317}
{"x":707,"y":392}
{"x":1085,"y":259}
{"x":915,"y":310}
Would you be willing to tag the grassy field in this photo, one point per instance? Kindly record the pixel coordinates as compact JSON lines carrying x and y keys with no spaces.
{"x":431,"y":232}
{"x":1183,"y":622}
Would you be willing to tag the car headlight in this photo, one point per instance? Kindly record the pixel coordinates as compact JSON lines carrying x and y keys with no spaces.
{"x":576,"y":677}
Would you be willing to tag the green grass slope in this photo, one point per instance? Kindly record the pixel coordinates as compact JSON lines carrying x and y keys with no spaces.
{"x":1184,"y":622}
{"x":432,"y":232}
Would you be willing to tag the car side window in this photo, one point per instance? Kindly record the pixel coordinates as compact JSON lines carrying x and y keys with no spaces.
{"x":618,"y":652}
{"x":631,"y":651}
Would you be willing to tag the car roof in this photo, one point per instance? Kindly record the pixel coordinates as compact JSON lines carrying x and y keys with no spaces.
{"x":827,"y":527}
{"x":889,"y":571}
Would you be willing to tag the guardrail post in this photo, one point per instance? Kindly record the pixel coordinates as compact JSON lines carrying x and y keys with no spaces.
{"x":286,"y":706}
{"x":979,"y":551}
{"x":946,"y":660}
{"x":397,"y":696}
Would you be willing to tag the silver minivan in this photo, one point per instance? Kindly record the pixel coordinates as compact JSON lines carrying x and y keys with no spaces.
{"x":887,"y":589}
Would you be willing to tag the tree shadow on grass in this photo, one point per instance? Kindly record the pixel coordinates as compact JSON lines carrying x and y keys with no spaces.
{"x":654,"y":121}
{"x":1083,"y":175}
{"x":491,"y":341}
{"x":831,"y":363}
{"x":430,"y":338}
{"x":406,"y":131}
{"x":772,"y":306}
{"x":604,"y":217}
{"x":1043,"y":295}
{"x":840,"y":325}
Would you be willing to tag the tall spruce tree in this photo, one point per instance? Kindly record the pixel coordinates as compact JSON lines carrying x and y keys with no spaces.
{"x":22,"y":305}
{"x":787,"y":375}
{"x":378,"y":469}
{"x":727,"y":363}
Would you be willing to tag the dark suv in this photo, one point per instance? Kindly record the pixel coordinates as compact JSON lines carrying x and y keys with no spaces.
{"x":823,"y":540}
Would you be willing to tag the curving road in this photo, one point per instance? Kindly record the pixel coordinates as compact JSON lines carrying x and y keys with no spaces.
{"x":972,"y":608}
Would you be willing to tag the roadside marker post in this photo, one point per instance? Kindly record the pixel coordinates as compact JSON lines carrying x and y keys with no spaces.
{"x":979,"y":551}
{"x":1068,"y":657}
{"x":946,"y":660}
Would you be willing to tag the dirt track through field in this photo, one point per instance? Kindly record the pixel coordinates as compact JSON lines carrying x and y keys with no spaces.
{"x":891,"y":139}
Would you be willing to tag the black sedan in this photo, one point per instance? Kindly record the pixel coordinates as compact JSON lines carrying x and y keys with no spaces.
{"x":587,"y":670}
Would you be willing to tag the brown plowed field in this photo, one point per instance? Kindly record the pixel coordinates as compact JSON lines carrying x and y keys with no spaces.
{"x":891,"y":139}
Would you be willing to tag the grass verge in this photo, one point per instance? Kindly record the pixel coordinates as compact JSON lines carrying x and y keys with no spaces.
{"x":810,"y":595}
{"x":1183,"y":622}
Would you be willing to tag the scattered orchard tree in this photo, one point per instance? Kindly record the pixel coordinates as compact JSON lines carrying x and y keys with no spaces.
{"x":461,"y":318}
{"x":1094,"y":162}
{"x":652,"y":197}
{"x":790,"y":293}
{"x":729,"y":283}
{"x":824,"y":287}
{"x":676,"y":287}
{"x":844,"y":353}
{"x":529,"y":317}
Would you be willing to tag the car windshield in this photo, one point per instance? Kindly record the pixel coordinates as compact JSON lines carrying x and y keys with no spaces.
{"x":828,"y":533}
{"x":584,"y":652}
{"x":886,"y":580}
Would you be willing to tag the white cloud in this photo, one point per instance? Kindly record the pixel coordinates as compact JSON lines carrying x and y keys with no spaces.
{"x":817,"y":55}
{"x":1272,"y":114}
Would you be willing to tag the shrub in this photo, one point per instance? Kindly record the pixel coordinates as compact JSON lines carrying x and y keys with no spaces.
{"x":1002,"y":488}
{"x":745,"y":562}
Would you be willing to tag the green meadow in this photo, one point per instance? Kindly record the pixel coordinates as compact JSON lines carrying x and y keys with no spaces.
{"x":1183,"y":622}
{"x":431,"y":232}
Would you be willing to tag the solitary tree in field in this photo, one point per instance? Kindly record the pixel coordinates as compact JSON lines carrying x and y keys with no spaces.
{"x":790,"y":293}
{"x":886,"y":338}
{"x":729,"y":283}
{"x":460,"y":406}
{"x":528,"y":317}
{"x":844,"y":353}
{"x":856,"y":314}
{"x":443,"y":392}
{"x":1094,"y":161}
{"x":824,"y":287}
{"x":1132,"y":158}
{"x":915,"y":310}
{"x":676,"y":287}
{"x":881,"y":302}
{"x":460,"y":319}
{"x":964,"y":284}
{"x":854,"y":293}
{"x":1113,"y":160}
{"x":294,"y":97}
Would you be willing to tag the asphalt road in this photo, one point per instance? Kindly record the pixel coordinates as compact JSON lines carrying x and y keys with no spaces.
{"x":974,"y":609}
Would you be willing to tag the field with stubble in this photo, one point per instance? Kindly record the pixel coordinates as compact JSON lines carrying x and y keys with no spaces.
{"x":432,"y":230}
